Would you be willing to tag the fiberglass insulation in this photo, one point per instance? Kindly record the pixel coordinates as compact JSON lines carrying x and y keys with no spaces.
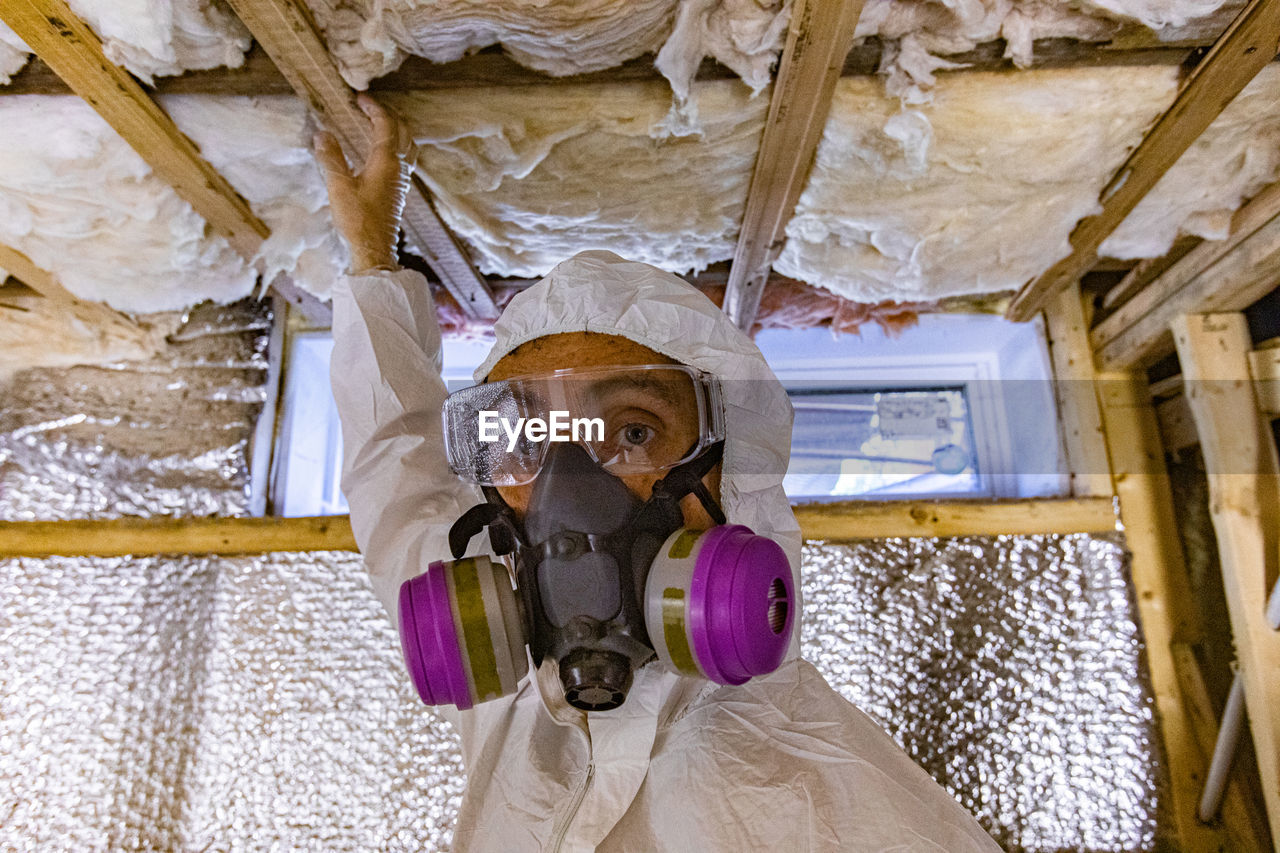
{"x":151,"y":37}
{"x":83,"y":205}
{"x":572,"y":37}
{"x":1235,"y":158}
{"x":976,"y":193}
{"x":979,"y":191}
{"x":371,"y":38}
{"x":530,"y":176}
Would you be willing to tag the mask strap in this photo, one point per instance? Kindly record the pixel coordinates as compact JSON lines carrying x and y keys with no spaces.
{"x":494,"y":514}
{"x":686,"y":479}
{"x":709,"y":503}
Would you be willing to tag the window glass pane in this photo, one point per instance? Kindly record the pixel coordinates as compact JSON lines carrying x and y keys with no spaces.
{"x":881,"y":443}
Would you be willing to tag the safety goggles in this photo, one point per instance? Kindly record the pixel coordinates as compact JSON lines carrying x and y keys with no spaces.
{"x":631,"y":420}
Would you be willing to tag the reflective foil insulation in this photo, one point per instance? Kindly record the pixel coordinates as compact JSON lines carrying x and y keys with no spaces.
{"x":259,"y":703}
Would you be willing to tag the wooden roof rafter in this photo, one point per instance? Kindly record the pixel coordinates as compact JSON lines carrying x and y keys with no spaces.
{"x":47,"y":286}
{"x":288,"y":33}
{"x":818,"y":41}
{"x":72,"y":50}
{"x":1214,"y":276}
{"x":1249,"y":43}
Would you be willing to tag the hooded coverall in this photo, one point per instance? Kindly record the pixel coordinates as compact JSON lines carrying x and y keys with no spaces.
{"x":782,"y":762}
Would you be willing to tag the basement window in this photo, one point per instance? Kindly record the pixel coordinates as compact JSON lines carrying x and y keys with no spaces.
{"x":307,"y":472}
{"x":958,"y":406}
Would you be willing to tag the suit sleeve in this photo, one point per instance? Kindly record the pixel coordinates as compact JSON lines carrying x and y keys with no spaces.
{"x":385,"y":373}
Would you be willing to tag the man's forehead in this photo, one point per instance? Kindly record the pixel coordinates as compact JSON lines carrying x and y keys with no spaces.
{"x":573,"y":349}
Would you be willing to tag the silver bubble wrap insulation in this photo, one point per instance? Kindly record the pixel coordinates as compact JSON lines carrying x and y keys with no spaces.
{"x":218,"y":704}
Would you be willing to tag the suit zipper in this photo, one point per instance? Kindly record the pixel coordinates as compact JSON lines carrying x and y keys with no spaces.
{"x":578,"y":796}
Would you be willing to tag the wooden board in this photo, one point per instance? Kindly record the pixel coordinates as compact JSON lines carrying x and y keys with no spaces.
{"x":107,"y":320}
{"x":1078,"y":414}
{"x":288,"y":34}
{"x":491,"y":67}
{"x":1240,"y":456}
{"x":75,"y":53}
{"x":1248,"y":44}
{"x":1264,"y":367}
{"x":818,"y":40}
{"x":149,"y":536}
{"x":1146,"y":271}
{"x":1231,"y":282}
{"x":1162,"y":589}
{"x":1177,"y":426}
{"x":844,"y":521}
{"x":852,"y":520}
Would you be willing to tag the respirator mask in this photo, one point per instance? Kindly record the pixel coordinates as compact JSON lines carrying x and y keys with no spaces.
{"x":604,"y":581}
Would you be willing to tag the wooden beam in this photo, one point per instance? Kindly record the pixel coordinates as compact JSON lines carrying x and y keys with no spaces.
{"x":1146,"y":271}
{"x":1244,"y":475}
{"x":22,"y":268}
{"x":1245,"y":222}
{"x":150,"y":536}
{"x":1247,"y":45}
{"x":1177,"y":426}
{"x":844,"y":521}
{"x":75,"y":53}
{"x":818,"y":40}
{"x":1162,"y":591}
{"x":288,"y":34}
{"x":317,"y":313}
{"x":493,"y":68}
{"x":1078,"y":413}
{"x":879,"y":520}
{"x":1264,"y":367}
{"x":1170,"y":386}
{"x":1232,"y":283}
{"x":262,"y":442}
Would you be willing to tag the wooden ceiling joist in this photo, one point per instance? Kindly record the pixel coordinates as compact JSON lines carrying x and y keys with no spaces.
{"x":288,"y":34}
{"x":492,"y":68}
{"x":1217,"y":275}
{"x":47,"y":286}
{"x":819,"y":39}
{"x":1248,"y":44}
{"x":72,"y":50}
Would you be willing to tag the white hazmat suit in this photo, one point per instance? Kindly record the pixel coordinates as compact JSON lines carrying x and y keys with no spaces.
{"x":782,"y":762}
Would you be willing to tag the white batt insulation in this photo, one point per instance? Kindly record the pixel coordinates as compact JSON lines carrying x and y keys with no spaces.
{"x":529,"y":176}
{"x":150,"y":37}
{"x":918,"y":30}
{"x":161,"y":37}
{"x":82,"y":204}
{"x":981,"y":196}
{"x":14,"y":53}
{"x":370,"y":38}
{"x":1231,"y":161}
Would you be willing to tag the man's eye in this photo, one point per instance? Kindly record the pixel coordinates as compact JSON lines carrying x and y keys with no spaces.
{"x":637,"y":434}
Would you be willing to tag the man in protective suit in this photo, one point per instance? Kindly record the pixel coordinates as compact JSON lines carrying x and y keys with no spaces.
{"x":781,"y":762}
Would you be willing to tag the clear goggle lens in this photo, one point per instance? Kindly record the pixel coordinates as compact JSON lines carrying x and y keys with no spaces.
{"x":631,"y":420}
